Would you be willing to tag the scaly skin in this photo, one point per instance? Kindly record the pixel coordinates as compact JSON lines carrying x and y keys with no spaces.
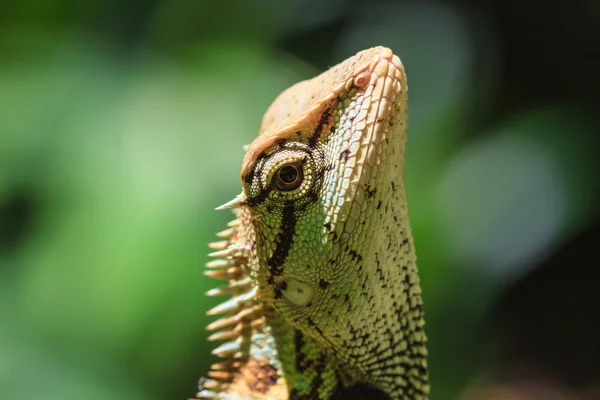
{"x":320,"y":260}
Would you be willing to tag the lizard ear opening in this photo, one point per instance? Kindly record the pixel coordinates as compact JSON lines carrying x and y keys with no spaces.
{"x":297,"y":292}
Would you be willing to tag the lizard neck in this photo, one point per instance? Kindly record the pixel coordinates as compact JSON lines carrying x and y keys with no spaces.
{"x":310,"y":370}
{"x":381,"y":343}
{"x":392,"y":353}
{"x":385,"y":341}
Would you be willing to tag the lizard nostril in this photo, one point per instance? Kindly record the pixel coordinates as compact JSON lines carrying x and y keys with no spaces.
{"x":362,"y":79}
{"x":297,"y":292}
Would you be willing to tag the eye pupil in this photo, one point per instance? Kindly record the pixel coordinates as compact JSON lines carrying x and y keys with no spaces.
{"x":288,"y":177}
{"x":288,"y":174}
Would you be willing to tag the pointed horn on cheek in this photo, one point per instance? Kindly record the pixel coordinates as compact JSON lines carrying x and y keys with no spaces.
{"x":239,"y":200}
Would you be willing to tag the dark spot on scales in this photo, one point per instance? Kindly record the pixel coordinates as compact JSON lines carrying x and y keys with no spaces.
{"x":318,"y":381}
{"x":285,"y":239}
{"x":248,"y":178}
{"x":318,"y":175}
{"x":312,"y":141}
{"x":312,"y":197}
{"x":344,"y":155}
{"x":280,"y":288}
{"x":298,"y":344}
{"x":259,"y":198}
{"x":263,"y":376}
{"x":355,"y":255}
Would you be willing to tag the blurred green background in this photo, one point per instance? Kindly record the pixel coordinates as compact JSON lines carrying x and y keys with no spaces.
{"x":122,"y":125}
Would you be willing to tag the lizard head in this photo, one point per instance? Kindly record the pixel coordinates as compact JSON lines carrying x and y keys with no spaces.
{"x":320,"y":260}
{"x":315,"y":191}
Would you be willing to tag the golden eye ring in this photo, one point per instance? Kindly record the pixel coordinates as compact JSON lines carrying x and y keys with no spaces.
{"x":288,"y":177}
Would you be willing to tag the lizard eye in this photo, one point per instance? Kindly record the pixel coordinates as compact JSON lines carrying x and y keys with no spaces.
{"x":288,"y":177}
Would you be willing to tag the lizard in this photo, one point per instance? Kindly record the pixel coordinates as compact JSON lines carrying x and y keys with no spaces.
{"x":319,"y":262}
